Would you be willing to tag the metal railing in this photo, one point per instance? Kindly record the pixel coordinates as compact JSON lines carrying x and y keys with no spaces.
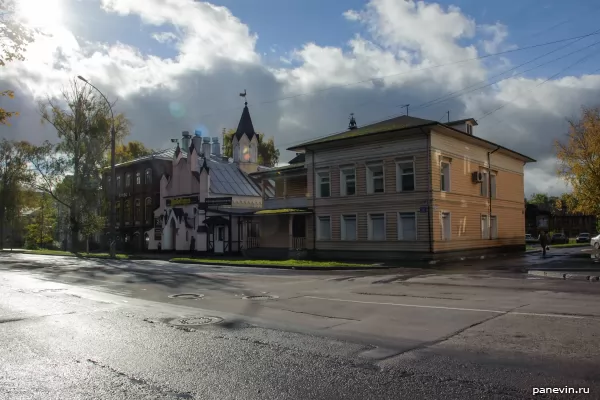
{"x":298,"y":243}
{"x":252,"y":242}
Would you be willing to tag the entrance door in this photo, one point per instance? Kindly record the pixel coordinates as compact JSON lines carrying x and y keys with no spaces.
{"x":220,"y":237}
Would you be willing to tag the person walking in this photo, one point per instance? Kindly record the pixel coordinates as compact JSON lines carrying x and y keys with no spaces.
{"x":544,"y":242}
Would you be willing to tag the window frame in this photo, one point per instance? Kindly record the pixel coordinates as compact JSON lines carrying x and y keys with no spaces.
{"x":148,"y":176}
{"x":489,"y":180}
{"x":147,"y":214}
{"x":319,"y":230}
{"x":484,"y":226}
{"x":469,"y":129}
{"x":119,"y":183}
{"x":138,"y":178}
{"x":127,"y":212}
{"x":343,"y":229}
{"x":128,"y":180}
{"x":371,"y":179}
{"x":400,"y":175}
{"x":117,"y":212}
{"x":137,"y":211}
{"x":443,"y":178}
{"x":494,"y":226}
{"x":370,"y":227}
{"x":399,"y":227}
{"x":320,"y":175}
{"x":344,"y":180}
{"x":449,"y":214}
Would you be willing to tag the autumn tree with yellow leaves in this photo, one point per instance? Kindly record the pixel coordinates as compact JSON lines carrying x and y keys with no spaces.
{"x":579,"y":159}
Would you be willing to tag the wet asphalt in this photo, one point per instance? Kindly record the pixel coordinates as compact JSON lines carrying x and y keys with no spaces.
{"x":98,"y":329}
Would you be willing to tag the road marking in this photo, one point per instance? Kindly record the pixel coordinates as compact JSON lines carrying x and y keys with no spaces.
{"x":450,"y":308}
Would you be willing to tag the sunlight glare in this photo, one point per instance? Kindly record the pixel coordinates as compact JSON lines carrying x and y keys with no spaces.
{"x":42,"y":14}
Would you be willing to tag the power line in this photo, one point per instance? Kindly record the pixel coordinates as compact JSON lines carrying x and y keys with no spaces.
{"x":380,"y":78}
{"x":449,"y":96}
{"x":540,"y":84}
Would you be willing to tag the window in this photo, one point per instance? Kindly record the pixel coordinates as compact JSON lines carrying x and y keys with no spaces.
{"x":493,"y":184}
{"x":485,"y":184}
{"x":348,"y":227}
{"x":118,"y":212}
{"x":376,"y":227}
{"x":128,"y":180}
{"x":469,"y":129}
{"x":407,"y":226}
{"x":118,"y":183}
{"x":323,"y":184}
{"x":127,"y":212}
{"x":405,"y":176}
{"x":138,"y":211}
{"x":445,"y":177}
{"x":348,"y":181}
{"x":446,"y":226}
{"x":485,"y":234}
{"x":324,"y":228}
{"x":494,"y":226}
{"x":148,"y":211}
{"x":220,"y":233}
{"x":138,"y":178}
{"x":375,"y":178}
{"x":148,"y":176}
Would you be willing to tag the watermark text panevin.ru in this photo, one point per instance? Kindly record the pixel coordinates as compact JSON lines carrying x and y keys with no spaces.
{"x":563,"y":390}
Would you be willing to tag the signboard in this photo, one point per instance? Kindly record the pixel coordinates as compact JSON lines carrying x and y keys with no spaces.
{"x":218,"y":201}
{"x":183,"y":201}
{"x":423,"y":209}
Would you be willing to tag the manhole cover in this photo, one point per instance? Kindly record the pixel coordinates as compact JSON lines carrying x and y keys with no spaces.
{"x":189,"y":296}
{"x":261,"y":297}
{"x":195,"y":321}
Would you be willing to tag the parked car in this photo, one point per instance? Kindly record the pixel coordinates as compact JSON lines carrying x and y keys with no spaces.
{"x":529,"y":239}
{"x":583,"y":238}
{"x":559,"y":238}
{"x":595,"y":242}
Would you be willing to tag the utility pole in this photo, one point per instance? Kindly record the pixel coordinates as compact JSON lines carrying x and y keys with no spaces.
{"x":405,"y":106}
{"x":42,"y":224}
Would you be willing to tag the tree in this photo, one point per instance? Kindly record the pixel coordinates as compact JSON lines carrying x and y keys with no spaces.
{"x":131,"y":151}
{"x":40,"y":232}
{"x":268,"y":155}
{"x":14,"y":175}
{"x":70,"y":171}
{"x":579,"y":159}
{"x":539,"y":199}
{"x":14,"y":37}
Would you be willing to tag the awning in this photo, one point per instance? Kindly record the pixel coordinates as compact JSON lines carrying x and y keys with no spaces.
{"x":283,"y":211}
{"x":216,"y":221}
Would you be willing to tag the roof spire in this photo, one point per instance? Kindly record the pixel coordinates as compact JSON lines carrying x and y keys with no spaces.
{"x":245,"y":126}
{"x":352,"y":124}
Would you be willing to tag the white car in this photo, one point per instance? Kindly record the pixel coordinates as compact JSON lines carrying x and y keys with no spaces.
{"x":595,"y":241}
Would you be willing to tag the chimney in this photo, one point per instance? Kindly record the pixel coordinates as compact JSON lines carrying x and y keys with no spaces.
{"x":206,"y":147}
{"x":216,"y":147}
{"x":197,"y":140}
{"x":186,"y":139}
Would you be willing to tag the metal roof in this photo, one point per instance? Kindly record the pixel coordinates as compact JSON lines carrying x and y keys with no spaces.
{"x":226,"y":178}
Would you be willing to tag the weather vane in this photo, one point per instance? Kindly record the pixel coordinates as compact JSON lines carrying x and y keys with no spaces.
{"x":244,"y":96}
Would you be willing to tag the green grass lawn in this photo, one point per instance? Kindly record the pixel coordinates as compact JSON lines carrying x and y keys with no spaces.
{"x":70,"y":254}
{"x":282,"y":263}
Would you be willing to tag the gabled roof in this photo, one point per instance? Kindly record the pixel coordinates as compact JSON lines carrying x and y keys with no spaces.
{"x":299,"y":159}
{"x":245,"y":126}
{"x":392,"y":124}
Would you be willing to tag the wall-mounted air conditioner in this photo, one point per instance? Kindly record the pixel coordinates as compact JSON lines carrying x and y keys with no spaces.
{"x":477,"y":177}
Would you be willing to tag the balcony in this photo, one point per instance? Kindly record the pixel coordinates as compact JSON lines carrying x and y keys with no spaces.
{"x":274,"y":203}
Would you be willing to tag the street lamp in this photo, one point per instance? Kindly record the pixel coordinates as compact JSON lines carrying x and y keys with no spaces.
{"x":113,"y":179}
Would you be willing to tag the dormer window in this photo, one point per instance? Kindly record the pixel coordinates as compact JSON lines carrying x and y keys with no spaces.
{"x":469,"y":129}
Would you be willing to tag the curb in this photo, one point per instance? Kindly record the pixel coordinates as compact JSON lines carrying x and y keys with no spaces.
{"x":65,"y":255}
{"x":566,"y":275}
{"x":288,"y":267}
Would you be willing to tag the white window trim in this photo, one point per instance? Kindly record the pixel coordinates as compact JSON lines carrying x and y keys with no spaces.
{"x":370,"y":226}
{"x":319,"y":233}
{"x":343,"y":227}
{"x":318,"y":177}
{"x":399,"y":175}
{"x":343,"y":187}
{"x":485,"y":185}
{"x":449,"y":176}
{"x":370,"y":186}
{"x":494,"y":231}
{"x":399,"y":228}
{"x":494,"y":186}
{"x":469,"y":128}
{"x":449,"y":221}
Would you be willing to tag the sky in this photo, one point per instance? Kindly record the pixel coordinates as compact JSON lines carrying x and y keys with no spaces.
{"x":175,"y":65}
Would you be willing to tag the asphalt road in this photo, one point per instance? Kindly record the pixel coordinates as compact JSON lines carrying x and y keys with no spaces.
{"x":73,"y":328}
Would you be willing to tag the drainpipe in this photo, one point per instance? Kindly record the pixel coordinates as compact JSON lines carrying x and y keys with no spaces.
{"x":314,"y":187}
{"x":429,"y":191}
{"x":490,"y":191}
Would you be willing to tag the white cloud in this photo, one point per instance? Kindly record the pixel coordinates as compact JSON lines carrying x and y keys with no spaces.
{"x":216,"y":58}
